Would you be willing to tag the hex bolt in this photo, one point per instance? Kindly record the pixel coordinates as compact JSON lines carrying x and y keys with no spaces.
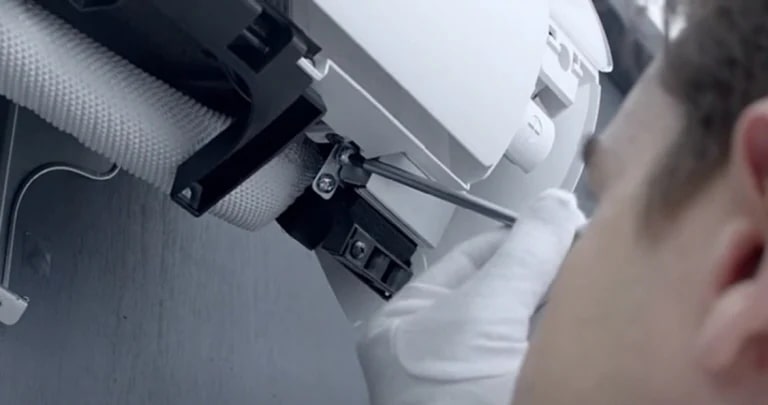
{"x":326,"y":183}
{"x":358,"y":250}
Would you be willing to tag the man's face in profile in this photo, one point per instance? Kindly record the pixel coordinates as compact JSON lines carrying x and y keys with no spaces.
{"x":655,"y":309}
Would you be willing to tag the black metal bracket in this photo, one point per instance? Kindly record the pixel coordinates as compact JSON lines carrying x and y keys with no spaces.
{"x":90,"y":5}
{"x":355,"y":234}
{"x":262,"y":58}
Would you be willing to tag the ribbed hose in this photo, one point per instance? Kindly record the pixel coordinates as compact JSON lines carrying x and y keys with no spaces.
{"x":130,"y":117}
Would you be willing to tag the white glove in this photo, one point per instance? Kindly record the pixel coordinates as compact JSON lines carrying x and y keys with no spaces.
{"x":458,"y":333}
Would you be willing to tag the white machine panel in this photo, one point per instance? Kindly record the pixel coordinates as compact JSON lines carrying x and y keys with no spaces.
{"x":471,"y":65}
{"x":354,"y":113}
{"x":425,"y":217}
{"x":579,"y":20}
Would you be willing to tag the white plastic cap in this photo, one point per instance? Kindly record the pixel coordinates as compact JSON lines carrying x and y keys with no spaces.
{"x":533,"y":141}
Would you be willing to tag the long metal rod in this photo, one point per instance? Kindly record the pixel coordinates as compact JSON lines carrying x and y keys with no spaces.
{"x":458,"y":198}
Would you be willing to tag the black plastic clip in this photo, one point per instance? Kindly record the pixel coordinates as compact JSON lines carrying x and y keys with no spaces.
{"x":263,"y":58}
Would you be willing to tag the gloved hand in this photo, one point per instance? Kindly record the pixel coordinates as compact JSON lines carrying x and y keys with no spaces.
{"x":458,"y":333}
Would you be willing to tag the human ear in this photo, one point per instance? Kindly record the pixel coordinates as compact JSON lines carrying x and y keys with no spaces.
{"x":739,"y":313}
{"x":749,"y":152}
{"x":736,"y":324}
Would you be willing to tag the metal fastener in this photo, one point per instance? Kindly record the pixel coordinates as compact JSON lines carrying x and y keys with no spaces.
{"x":345,"y":155}
{"x":326,"y":183}
{"x":358,"y":250}
{"x":187,"y":193}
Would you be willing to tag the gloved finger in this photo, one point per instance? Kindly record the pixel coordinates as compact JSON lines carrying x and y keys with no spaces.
{"x":487,"y":318}
{"x":463,"y":261}
{"x":444,"y":277}
{"x":527,"y":262}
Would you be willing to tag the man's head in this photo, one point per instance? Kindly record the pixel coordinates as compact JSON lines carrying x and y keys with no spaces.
{"x":664,"y":299}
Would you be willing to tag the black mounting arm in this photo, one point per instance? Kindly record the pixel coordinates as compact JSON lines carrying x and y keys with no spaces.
{"x":260,"y":48}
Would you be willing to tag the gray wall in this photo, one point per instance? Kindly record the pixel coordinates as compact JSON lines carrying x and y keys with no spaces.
{"x":136,"y":302}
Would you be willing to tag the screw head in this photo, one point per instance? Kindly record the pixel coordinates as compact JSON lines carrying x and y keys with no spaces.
{"x":358,"y":250}
{"x":187,"y":194}
{"x":326,"y":183}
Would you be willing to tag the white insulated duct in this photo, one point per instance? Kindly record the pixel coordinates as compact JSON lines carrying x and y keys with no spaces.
{"x":130,"y":117}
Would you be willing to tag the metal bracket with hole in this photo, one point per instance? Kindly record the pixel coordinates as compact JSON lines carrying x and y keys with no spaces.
{"x":327,"y":180}
{"x":336,"y":173}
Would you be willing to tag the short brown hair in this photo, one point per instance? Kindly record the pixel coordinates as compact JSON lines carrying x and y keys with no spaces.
{"x":715,"y":69}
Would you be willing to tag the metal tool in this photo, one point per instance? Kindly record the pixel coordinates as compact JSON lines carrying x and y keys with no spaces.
{"x":461,"y":199}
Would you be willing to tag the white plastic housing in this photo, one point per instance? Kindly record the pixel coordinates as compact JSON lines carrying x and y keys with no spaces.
{"x":457,"y":74}
{"x":533,"y":140}
{"x":579,"y":20}
{"x":444,"y":86}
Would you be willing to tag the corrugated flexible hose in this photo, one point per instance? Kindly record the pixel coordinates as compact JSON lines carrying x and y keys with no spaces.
{"x":140,"y":123}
